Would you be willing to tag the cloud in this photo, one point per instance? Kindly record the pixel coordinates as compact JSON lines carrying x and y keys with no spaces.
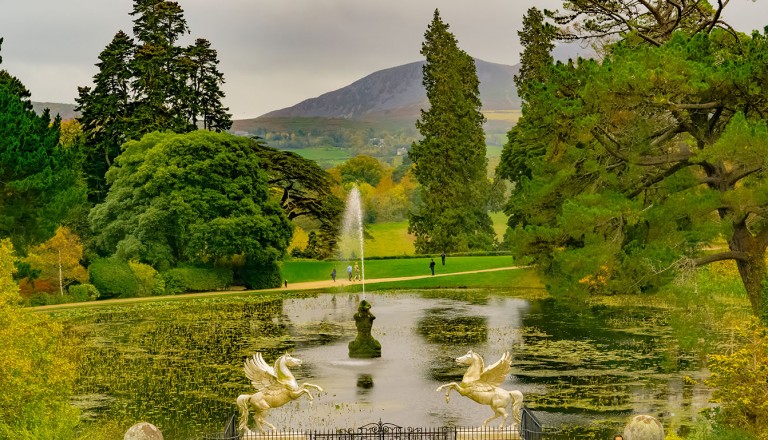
{"x":273,"y":53}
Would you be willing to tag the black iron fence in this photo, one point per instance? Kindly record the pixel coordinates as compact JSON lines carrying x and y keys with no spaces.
{"x":529,"y":429}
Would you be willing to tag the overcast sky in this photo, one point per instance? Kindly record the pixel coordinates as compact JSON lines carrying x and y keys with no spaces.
{"x":273,"y":53}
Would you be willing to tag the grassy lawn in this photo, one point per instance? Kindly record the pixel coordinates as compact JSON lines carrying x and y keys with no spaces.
{"x":297,"y":271}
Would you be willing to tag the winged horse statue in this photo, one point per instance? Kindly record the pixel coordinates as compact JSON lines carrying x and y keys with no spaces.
{"x":482,"y":385}
{"x":275,"y":386}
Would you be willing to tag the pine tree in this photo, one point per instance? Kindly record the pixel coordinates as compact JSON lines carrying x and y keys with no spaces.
{"x":450,"y":162}
{"x":205,"y":80}
{"x":148,"y":83}
{"x":106,"y":113}
{"x":38,"y":186}
{"x":159,"y":89}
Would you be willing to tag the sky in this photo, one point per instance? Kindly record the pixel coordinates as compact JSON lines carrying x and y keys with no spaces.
{"x":273,"y":53}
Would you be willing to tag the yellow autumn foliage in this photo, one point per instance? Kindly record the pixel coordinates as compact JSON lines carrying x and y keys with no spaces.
{"x":38,"y":370}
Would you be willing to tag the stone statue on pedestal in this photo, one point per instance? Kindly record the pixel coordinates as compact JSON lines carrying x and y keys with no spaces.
{"x":364,"y":345}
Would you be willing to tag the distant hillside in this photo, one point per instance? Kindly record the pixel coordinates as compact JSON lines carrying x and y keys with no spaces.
{"x":397,"y":93}
{"x":66,"y":111}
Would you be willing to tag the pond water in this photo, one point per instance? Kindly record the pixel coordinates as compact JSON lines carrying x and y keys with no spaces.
{"x":583,"y":370}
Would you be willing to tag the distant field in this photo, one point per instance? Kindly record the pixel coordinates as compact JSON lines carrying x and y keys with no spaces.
{"x":326,"y":157}
{"x":510,"y":116}
{"x":392,"y":238}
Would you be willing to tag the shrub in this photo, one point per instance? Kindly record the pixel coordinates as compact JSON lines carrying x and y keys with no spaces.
{"x":739,"y":380}
{"x":262,"y":274}
{"x":150,"y":282}
{"x":113,"y":278}
{"x":196,"y":279}
{"x":83,"y":292}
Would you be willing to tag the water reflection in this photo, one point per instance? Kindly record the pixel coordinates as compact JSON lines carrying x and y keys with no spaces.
{"x":581,"y":369}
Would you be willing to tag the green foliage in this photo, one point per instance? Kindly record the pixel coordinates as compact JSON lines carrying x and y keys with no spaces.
{"x":304,"y":191}
{"x":739,"y":379}
{"x":450,"y":162}
{"x":113,"y":278}
{"x":38,"y":367}
{"x":629,"y":168}
{"x":196,"y":279}
{"x":146,"y":85}
{"x":536,"y":37}
{"x":84,"y":292}
{"x":261,"y":273}
{"x":361,"y":168}
{"x":38,"y":179}
{"x":150,"y":282}
{"x":189,"y":198}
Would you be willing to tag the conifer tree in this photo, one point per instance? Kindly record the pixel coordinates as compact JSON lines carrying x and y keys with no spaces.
{"x":106,"y":113}
{"x":149,"y":83}
{"x":38,"y":186}
{"x":450,"y":162}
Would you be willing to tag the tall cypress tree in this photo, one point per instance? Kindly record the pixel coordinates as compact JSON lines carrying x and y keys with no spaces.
{"x":450,"y":162}
{"x":537,"y":38}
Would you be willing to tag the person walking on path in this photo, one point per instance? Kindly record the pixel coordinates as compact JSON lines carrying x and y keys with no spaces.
{"x":443,"y":257}
{"x":349,"y":272}
{"x":432,"y":266}
{"x":333,"y":274}
{"x":357,"y":272}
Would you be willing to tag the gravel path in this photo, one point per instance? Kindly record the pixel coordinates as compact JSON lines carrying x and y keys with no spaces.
{"x":308,"y":285}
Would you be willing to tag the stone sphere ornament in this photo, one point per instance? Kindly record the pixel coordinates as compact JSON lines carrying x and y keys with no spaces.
{"x":644,"y":427}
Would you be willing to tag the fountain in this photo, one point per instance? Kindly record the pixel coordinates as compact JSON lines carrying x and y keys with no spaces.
{"x":352,"y":237}
{"x":364,"y":345}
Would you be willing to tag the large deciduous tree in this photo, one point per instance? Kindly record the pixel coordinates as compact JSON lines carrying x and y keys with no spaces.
{"x":631,"y":169}
{"x":149,"y":83}
{"x":450,"y":162}
{"x":190,"y":198}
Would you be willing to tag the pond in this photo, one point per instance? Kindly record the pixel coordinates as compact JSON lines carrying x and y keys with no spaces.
{"x":583,"y":370}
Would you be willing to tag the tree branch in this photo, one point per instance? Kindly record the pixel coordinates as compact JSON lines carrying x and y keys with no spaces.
{"x":645,"y":161}
{"x":721,"y":256}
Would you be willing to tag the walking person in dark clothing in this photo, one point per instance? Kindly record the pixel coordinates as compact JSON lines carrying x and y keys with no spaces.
{"x":333,"y":274}
{"x":432,"y":266}
{"x":443,"y":257}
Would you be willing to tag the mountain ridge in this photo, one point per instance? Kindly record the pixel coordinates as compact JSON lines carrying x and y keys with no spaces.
{"x":398,"y":92}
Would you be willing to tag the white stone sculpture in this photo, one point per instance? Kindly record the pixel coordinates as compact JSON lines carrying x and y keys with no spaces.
{"x":274,"y":387}
{"x":482,"y":385}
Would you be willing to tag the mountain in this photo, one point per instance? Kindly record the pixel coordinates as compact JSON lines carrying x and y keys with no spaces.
{"x":66,"y":111}
{"x":397,"y":93}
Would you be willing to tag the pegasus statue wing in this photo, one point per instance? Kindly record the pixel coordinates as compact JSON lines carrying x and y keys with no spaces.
{"x":259,"y":372}
{"x":497,"y":373}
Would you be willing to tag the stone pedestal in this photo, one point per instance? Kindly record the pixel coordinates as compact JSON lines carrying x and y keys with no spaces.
{"x":364,"y":345}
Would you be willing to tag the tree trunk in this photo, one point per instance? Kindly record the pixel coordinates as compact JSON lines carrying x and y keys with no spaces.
{"x":753,"y":268}
{"x":61,"y":276}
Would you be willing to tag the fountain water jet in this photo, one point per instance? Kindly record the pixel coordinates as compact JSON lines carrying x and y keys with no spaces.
{"x":352,"y":231}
